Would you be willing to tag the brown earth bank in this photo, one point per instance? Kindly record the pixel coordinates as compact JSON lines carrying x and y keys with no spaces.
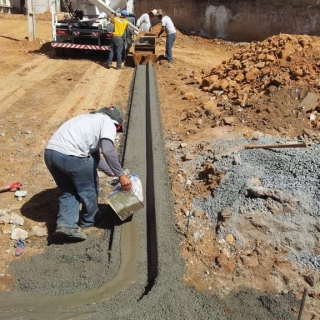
{"x":216,"y":98}
{"x":247,"y":20}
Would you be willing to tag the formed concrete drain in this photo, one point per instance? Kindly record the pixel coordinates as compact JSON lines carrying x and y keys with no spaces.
{"x":144,"y":99}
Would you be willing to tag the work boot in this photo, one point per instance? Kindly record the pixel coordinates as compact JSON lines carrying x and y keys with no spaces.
{"x":98,"y":218}
{"x":73,"y":233}
{"x":108,"y":66}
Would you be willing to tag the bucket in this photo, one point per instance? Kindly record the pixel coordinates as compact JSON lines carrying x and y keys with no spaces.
{"x":126,"y":203}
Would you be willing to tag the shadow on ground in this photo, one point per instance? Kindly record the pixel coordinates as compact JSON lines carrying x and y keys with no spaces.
{"x":44,"y":206}
{"x":99,"y":57}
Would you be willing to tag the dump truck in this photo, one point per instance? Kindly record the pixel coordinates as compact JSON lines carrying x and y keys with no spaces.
{"x":86,"y":25}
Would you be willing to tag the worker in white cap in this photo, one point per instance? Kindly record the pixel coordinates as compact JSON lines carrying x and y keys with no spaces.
{"x":72,"y":156}
{"x":168,"y":27}
{"x":144,"y":22}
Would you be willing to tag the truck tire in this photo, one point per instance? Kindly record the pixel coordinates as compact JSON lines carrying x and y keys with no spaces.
{"x":69,"y":52}
{"x":59,"y":52}
{"x":124,"y":54}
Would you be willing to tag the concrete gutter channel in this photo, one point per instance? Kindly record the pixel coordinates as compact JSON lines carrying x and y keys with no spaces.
{"x":156,"y":269}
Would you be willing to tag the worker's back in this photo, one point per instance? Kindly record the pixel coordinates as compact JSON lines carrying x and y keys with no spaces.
{"x":120,"y":25}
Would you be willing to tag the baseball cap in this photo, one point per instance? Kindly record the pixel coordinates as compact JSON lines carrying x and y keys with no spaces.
{"x":114,"y":112}
{"x":124,"y":13}
{"x":154,"y":12}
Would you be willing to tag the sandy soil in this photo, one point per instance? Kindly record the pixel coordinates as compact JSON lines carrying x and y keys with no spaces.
{"x":39,"y":91}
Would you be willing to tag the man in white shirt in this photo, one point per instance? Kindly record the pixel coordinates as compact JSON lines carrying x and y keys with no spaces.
{"x":167,"y":26}
{"x":72,"y":156}
{"x":144,"y":22}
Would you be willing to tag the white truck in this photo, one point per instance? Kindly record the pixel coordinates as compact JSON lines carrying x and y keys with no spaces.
{"x":86,"y":26}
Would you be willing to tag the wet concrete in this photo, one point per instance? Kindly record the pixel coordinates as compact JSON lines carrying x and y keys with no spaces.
{"x":148,"y":283}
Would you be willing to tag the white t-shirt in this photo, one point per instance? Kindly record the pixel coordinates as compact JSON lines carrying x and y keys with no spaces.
{"x":144,"y":22}
{"x":168,"y":24}
{"x":81,"y":135}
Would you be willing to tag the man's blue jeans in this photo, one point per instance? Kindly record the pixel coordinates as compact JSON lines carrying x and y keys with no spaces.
{"x":171,"y":38}
{"x":77,"y":179}
{"x":116,"y":46}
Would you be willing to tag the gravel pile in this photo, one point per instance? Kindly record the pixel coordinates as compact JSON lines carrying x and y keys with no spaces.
{"x":275,"y":191}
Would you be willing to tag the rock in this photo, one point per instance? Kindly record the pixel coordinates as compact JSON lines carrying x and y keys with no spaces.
{"x":227,"y":264}
{"x":252,"y":74}
{"x":207,"y":81}
{"x":256,"y":135}
{"x":19,"y":194}
{"x":38,"y":231}
{"x":224,"y":84}
{"x":18,"y":233}
{"x":228,"y":120}
{"x":188,"y":157}
{"x":197,"y":77}
{"x":211,"y":107}
{"x":317,"y":248}
{"x":189,"y":96}
{"x":16,"y":219}
{"x":236,"y":159}
{"x":6,"y":229}
{"x":249,"y":261}
{"x":226,"y":213}
{"x":312,"y":279}
{"x":4,"y":219}
{"x":229,"y":238}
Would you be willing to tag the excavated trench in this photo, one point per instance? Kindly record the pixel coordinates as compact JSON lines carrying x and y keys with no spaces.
{"x":143,"y":153}
{"x":134,"y":271}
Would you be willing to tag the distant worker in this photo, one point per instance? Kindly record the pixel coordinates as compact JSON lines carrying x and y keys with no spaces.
{"x":72,"y":156}
{"x":144,"y":22}
{"x":167,"y":26}
{"x":117,"y":43}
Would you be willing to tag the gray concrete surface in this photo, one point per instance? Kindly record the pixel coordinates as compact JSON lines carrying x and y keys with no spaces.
{"x":77,"y":287}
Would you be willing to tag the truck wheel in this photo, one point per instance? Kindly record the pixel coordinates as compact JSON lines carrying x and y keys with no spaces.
{"x":59,"y":52}
{"x":124,"y":53}
{"x":69,"y":53}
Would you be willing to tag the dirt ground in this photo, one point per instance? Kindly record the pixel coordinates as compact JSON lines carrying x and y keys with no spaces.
{"x":213,"y":89}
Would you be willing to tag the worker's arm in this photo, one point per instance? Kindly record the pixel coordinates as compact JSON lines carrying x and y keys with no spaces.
{"x":102,"y":164}
{"x":163,"y":29}
{"x":138,"y":22}
{"x":109,"y":153}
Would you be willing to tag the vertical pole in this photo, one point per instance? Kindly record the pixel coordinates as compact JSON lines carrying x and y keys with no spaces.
{"x":54,"y":12}
{"x":31,"y":21}
{"x":302,"y":303}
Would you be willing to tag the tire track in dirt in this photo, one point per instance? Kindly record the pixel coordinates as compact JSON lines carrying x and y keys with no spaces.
{"x":31,"y":74}
{"x":33,"y":109}
{"x":93,"y":90}
{"x":89,"y":91}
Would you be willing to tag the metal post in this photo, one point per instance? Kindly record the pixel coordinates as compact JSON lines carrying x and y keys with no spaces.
{"x":31,"y":21}
{"x":54,"y":13}
{"x":302,"y":303}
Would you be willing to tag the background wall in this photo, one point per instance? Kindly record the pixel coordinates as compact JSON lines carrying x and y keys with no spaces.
{"x":237,"y":20}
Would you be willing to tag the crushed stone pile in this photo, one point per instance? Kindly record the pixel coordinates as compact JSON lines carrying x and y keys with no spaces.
{"x":274,"y":191}
{"x":264,"y":211}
